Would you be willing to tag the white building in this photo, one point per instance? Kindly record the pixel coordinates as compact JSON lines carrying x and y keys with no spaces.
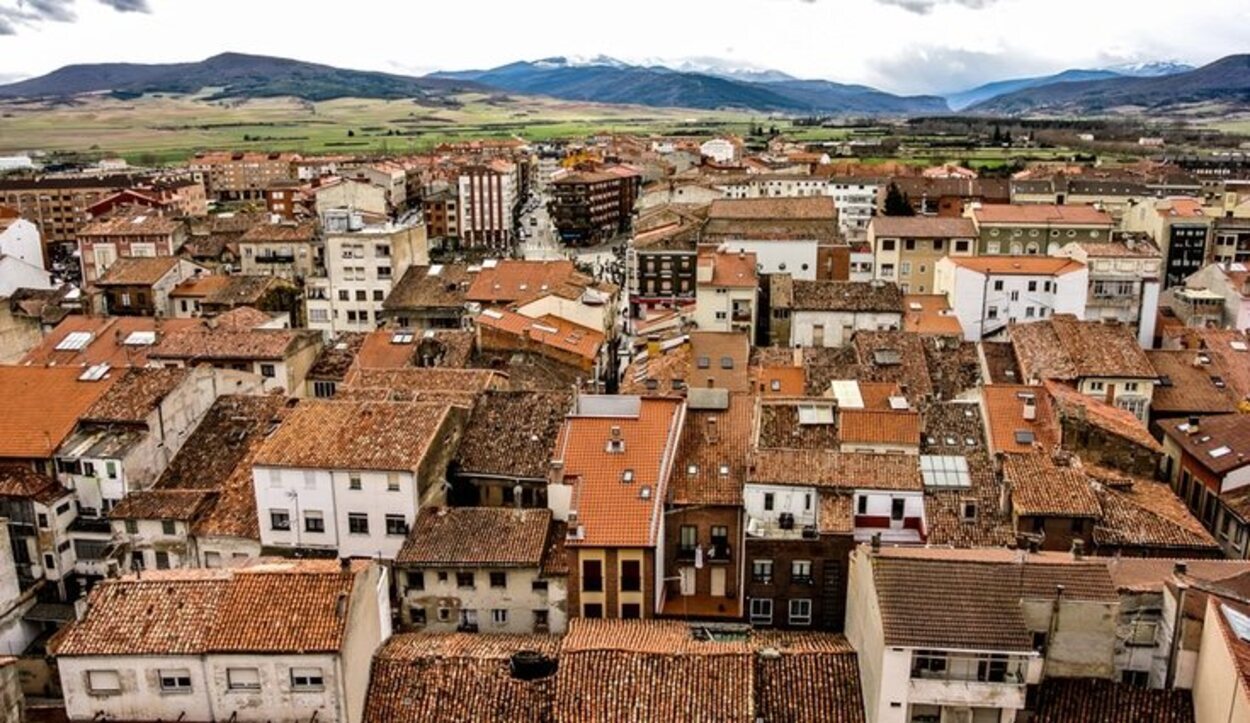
{"x":350,"y":476}
{"x":855,"y":198}
{"x":272,"y":641}
{"x":20,"y":239}
{"x":1125,"y":278}
{"x":726,"y":292}
{"x":828,"y":313}
{"x":484,"y":569}
{"x":362,"y":264}
{"x":987,"y":293}
{"x":721,"y":151}
{"x":1231,"y":282}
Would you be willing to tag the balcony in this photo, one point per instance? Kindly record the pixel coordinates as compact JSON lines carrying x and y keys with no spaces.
{"x":275,"y":259}
{"x":909,"y":530}
{"x":973,"y":680}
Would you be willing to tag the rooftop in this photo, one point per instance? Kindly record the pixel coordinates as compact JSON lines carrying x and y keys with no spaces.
{"x":1040,"y":488}
{"x":1190,"y":382}
{"x":547,"y":331}
{"x":930,"y":314}
{"x":1060,"y":700}
{"x":512,"y":434}
{"x":138,"y":270}
{"x":1065,"y":348}
{"x":730,"y":270}
{"x":476,"y":537}
{"x":820,"y":208}
{"x":282,"y":232}
{"x":822,"y":468}
{"x":1007,"y":409}
{"x":719,"y":360}
{"x":133,"y":223}
{"x":135,"y":394}
{"x":1221,"y":443}
{"x":875,"y":426}
{"x":181,"y":505}
{"x":512,"y":280}
{"x":390,"y":436}
{"x":442,"y":286}
{"x":711,"y":459}
{"x":1040,"y":213}
{"x":922,"y":227}
{"x":42,"y":406}
{"x":1018,"y":265}
{"x":119,"y":341}
{"x":1113,"y":420}
{"x":848,"y":296}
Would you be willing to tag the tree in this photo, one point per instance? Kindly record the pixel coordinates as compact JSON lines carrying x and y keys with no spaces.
{"x":897,"y":203}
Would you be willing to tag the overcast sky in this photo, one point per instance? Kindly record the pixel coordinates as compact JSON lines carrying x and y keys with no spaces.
{"x":905,"y":46}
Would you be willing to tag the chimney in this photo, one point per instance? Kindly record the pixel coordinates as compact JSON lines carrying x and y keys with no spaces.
{"x":1180,"y":569}
{"x":1078,"y":550}
{"x":1030,"y":409}
{"x":81,"y":607}
{"x":1194,"y":425}
{"x":876,"y":542}
{"x":345,"y":564}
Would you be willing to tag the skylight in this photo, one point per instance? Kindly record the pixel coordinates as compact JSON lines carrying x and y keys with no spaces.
{"x":75,"y":341}
{"x":945,"y":471}
{"x":1219,"y":452}
{"x":815,"y":414}
{"x":1024,"y":436}
{"x":140,"y":338}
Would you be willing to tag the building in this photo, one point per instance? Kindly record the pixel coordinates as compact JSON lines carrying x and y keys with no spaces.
{"x":1221,"y":688}
{"x":289,"y":249}
{"x":1232,"y":240}
{"x":484,"y":569}
{"x":949,"y":197}
{"x":135,"y":233}
{"x":504,"y":455}
{"x":661,"y":259}
{"x":562,"y":341}
{"x":58,"y":204}
{"x":1230,"y":283}
{"x":1182,"y":231}
{"x":430,"y":297}
{"x":828,"y":313}
{"x":1101,"y":360}
{"x":907,"y":248}
{"x":488,"y":200}
{"x":946,"y":633}
{"x":143,"y":286}
{"x":1125,"y":280}
{"x":786,"y":235}
{"x":610,"y":475}
{"x":361,"y":265}
{"x":1205,"y":462}
{"x":242,"y":176}
{"x":20,"y":240}
{"x":989,"y":294}
{"x":727,"y":291}
{"x":198,"y":646}
{"x":721,"y":151}
{"x":442,"y":218}
{"x":1036,"y":229}
{"x":349,"y":477}
{"x":590,"y":207}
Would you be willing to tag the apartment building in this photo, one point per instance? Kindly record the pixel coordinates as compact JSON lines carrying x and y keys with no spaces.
{"x":990,"y":293}
{"x":1181,"y":229}
{"x":1036,"y":229}
{"x":907,"y":248}
{"x":488,"y":199}
{"x":288,"y":249}
{"x":242,"y":176}
{"x":1125,"y":281}
{"x":786,"y":235}
{"x":143,"y":286}
{"x":58,"y":204}
{"x":130,"y":233}
{"x":1205,"y":463}
{"x":726,"y":292}
{"x":828,"y":313}
{"x":590,"y":207}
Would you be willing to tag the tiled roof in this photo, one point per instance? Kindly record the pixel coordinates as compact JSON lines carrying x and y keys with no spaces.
{"x":892,"y":356}
{"x":337,"y":356}
{"x":875,"y":426}
{"x":1151,"y":574}
{"x":512,"y":280}
{"x":107,"y":342}
{"x":135,"y":394}
{"x":821,"y":468}
{"x":1213,"y":434}
{"x":712,"y":442}
{"x":1143,"y":513}
{"x":808,"y":682}
{"x":134,"y":223}
{"x":809,"y":207}
{"x":666,"y":375}
{"x":922,"y":227}
{"x":954,"y":366}
{"x":458,"y":678}
{"x":477,"y":537}
{"x":198,"y":287}
{"x":730,"y":270}
{"x":137,"y":270}
{"x":1088,"y":700}
{"x":1005,"y":405}
{"x":611,"y":512}
{"x":559,"y":334}
{"x":847,"y":296}
{"x":460,"y":387}
{"x":1038,"y":213}
{"x":230,"y":342}
{"x":948,"y":428}
{"x":1064,"y":348}
{"x":184,"y":505}
{"x":915,"y":593}
{"x":41,"y":406}
{"x":421,"y":289}
{"x":380,"y":350}
{"x":245,"y":290}
{"x":712,"y":351}
{"x":789,"y":381}
{"x":320,"y":434}
{"x":285,"y":232}
{"x":1190,"y":386}
{"x":1018,"y":265}
{"x":512,"y":434}
{"x":19,"y":481}
{"x":779,"y":425}
{"x":930,"y":314}
{"x":1116,"y":421}
{"x":1040,"y":488}
{"x":837,"y":512}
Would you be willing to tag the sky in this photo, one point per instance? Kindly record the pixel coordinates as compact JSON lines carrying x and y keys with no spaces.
{"x":902,"y":46}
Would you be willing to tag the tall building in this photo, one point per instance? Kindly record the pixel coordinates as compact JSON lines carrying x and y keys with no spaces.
{"x":590,"y":207}
{"x":488,"y":201}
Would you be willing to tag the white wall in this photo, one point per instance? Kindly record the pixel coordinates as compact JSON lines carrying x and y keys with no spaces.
{"x":21,"y":240}
{"x":802,"y":325}
{"x":17,"y":274}
{"x":799,"y":501}
{"x":971,"y":296}
{"x":797,"y":258}
{"x":518,"y":598}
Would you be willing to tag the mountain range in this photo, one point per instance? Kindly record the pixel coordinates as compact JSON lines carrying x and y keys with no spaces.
{"x":701,"y":83}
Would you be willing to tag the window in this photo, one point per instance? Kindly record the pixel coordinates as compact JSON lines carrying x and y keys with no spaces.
{"x":1136,"y":678}
{"x":417,"y":613}
{"x":357,"y":523}
{"x":887,"y":244}
{"x":279,"y":519}
{"x":444,"y":615}
{"x":1032,"y":286}
{"x":132,"y":527}
{"x":631,"y":611}
{"x":762,"y":571}
{"x":103,"y":682}
{"x":1097,"y":386}
{"x":928,"y":664}
{"x":168,"y":527}
{"x":909,"y":244}
{"x":998,"y":284}
{"x":464,"y":580}
{"x":592,"y":610}
{"x":175,"y":681}
{"x":801,"y":571}
{"x":768,"y":501}
{"x":540,"y":619}
{"x":384,"y":272}
{"x":499,"y":579}
{"x":242,"y":678}
{"x":801,"y":611}
{"x":499,"y":616}
{"x":392,"y":482}
{"x":631,"y":576}
{"x":761,"y":609}
{"x":307,"y":679}
{"x":396,"y":525}
{"x":689,"y":541}
{"x":538,"y":586}
{"x":1143,"y":633}
{"x":110,"y":469}
{"x":314,"y":522}
{"x":344,"y":295}
{"x":592,"y":575}
{"x":353,"y":481}
{"x":382,"y":250}
{"x":379,"y":295}
{"x":361,"y":295}
{"x":162,"y":560}
{"x":268,"y":371}
{"x":904,"y":269}
{"x":416,"y":581}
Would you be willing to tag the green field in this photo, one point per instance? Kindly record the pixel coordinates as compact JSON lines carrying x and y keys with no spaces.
{"x":155,"y":129}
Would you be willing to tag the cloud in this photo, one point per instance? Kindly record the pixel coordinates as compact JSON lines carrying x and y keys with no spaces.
{"x":924,"y":7}
{"x":940,"y":70}
{"x":32,"y":13}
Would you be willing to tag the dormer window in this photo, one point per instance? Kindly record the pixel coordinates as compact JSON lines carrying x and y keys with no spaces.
{"x":724,"y":470}
{"x":627,"y":475}
{"x":692,"y":470}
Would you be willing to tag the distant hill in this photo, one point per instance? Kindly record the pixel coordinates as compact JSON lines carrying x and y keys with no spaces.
{"x":982,"y":93}
{"x":1226,"y":81}
{"x":237,"y":75}
{"x":617,"y":82}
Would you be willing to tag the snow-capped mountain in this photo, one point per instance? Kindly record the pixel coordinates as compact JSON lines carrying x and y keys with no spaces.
{"x":1151,"y":68}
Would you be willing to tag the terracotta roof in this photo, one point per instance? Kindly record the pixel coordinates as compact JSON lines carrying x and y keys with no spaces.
{"x":668,"y":375}
{"x":1039,"y":213}
{"x":321,"y":434}
{"x":1143,"y":513}
{"x":230,"y":342}
{"x":1089,"y":700}
{"x":244,"y":290}
{"x":1116,"y":421}
{"x":873,"y":426}
{"x":780,"y":381}
{"x":197,"y":287}
{"x":1040,"y":488}
{"x":512,"y":280}
{"x":1064,"y":348}
{"x":132,"y":223}
{"x":106,"y":343}
{"x":955,"y":429}
{"x":19,"y":481}
{"x":779,"y":425}
{"x":809,"y":207}
{"x":922,"y":227}
{"x":137,"y":270}
{"x":457,"y":678}
{"x":136,"y":394}
{"x":930,"y":314}
{"x":42,"y":406}
{"x":1188,"y":385}
{"x":183,"y":505}
{"x":420,"y":384}
{"x":477,"y":537}
{"x":284,"y":232}
{"x":1018,"y":265}
{"x":551,"y":331}
{"x":837,"y":512}
{"x":914,"y":593}
{"x":891,"y":356}
{"x":1151,"y":574}
{"x":1005,"y":405}
{"x":337,"y":356}
{"x":379,"y":350}
{"x":1214,"y":434}
{"x":610,"y":511}
{"x":847,"y":296}
{"x":421,"y":289}
{"x":730,"y":270}
{"x":821,"y":468}
{"x":1139,"y":248}
{"x":512,"y":434}
{"x":712,"y":456}
{"x":723,"y":357}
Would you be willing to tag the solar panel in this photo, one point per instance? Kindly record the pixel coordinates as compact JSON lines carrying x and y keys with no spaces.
{"x":75,"y":341}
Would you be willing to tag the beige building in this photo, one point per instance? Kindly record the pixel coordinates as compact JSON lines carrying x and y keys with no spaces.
{"x":727,"y":291}
{"x":242,"y":176}
{"x":907,"y":248}
{"x":288,"y":249}
{"x":1221,"y":690}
